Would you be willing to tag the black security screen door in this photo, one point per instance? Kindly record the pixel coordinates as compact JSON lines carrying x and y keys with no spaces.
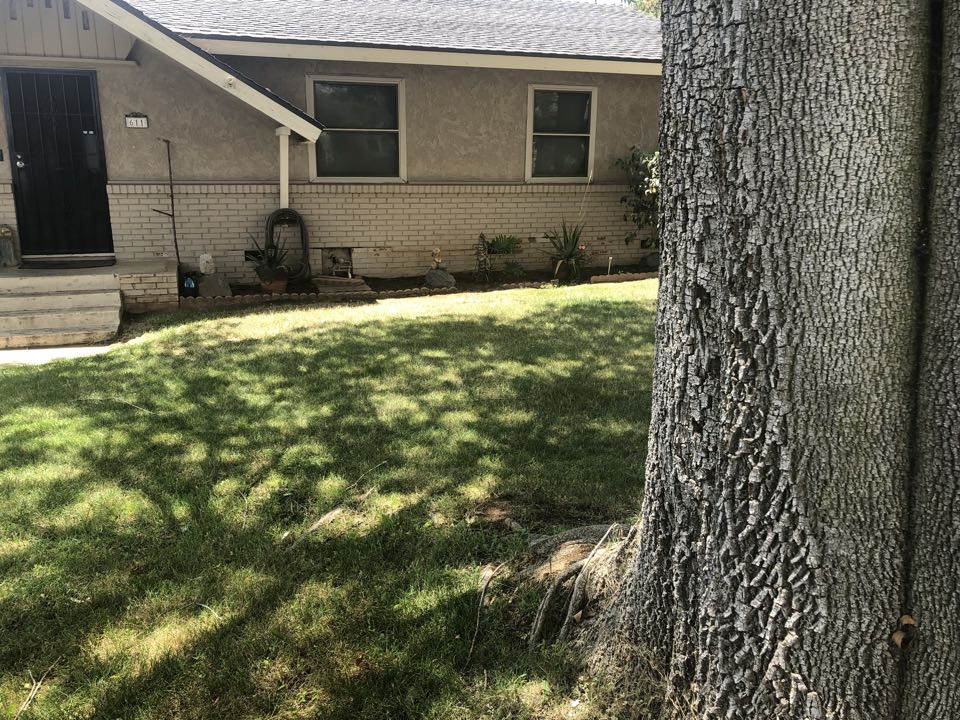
{"x":59,"y":173}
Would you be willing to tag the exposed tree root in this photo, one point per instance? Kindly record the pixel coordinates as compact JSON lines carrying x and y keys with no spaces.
{"x":578,"y":597}
{"x":483,"y":594}
{"x":578,"y":594}
{"x":547,"y":543}
{"x":536,"y":631}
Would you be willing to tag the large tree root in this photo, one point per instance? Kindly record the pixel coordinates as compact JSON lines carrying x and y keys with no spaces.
{"x":547,"y":543}
{"x":577,"y":599}
{"x":578,"y":594}
{"x":536,"y":631}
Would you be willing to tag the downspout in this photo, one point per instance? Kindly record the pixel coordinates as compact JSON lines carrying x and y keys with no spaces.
{"x":284,"y":134}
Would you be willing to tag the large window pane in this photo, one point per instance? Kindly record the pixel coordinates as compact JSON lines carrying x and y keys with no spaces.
{"x":561,"y":112}
{"x":356,"y":105}
{"x":358,"y":154}
{"x":559,"y":156}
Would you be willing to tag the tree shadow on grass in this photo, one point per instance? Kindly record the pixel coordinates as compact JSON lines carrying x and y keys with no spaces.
{"x":148,"y":494}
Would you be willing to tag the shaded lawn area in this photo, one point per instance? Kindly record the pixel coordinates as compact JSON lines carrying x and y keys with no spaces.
{"x":152,"y":498}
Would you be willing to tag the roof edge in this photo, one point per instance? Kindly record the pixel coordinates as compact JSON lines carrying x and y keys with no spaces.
{"x":418,"y":48}
{"x":357,"y":52}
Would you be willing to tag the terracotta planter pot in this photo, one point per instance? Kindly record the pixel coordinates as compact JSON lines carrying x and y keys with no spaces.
{"x":563,"y":272}
{"x":275,"y":286}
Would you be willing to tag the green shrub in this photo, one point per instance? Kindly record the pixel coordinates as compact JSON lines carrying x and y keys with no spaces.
{"x":643,"y":202}
{"x":502,"y":244}
{"x":513,"y":270}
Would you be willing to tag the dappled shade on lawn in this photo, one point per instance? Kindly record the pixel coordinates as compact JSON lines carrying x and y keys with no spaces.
{"x":153,"y":498}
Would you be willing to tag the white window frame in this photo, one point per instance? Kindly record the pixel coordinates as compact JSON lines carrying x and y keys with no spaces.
{"x":401,"y":127}
{"x":591,"y":149}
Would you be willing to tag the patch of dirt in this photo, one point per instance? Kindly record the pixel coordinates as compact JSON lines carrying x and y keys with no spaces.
{"x":466,"y":282}
{"x":494,"y":511}
{"x":498,"y":512}
{"x":469,"y":282}
{"x":560,"y":559}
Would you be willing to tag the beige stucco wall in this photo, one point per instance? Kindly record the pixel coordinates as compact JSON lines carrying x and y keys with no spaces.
{"x":214,"y":136}
{"x":469,"y":124}
{"x":463,"y":125}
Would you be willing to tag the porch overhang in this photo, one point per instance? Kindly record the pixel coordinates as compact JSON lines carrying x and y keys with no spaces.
{"x":186,"y":54}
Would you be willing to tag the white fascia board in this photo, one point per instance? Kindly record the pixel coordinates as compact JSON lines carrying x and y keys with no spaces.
{"x":196,"y":62}
{"x":305,"y":51}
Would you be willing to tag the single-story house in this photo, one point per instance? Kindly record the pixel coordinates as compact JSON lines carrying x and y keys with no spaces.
{"x":392,"y":126}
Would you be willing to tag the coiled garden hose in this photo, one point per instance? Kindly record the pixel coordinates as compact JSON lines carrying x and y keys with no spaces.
{"x":291,"y":218}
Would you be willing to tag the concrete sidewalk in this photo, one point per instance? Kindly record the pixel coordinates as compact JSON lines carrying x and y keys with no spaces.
{"x":42,"y":356}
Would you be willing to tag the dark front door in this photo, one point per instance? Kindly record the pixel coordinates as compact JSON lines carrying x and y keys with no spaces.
{"x":59,"y":174}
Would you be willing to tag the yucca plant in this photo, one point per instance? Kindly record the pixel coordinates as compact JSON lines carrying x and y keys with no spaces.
{"x":569,"y":253}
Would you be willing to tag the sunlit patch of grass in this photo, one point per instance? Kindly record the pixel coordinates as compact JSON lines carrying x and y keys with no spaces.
{"x":160,"y":534}
{"x":396,"y":408}
{"x":104,"y":507}
{"x":12,"y":546}
{"x":132,"y":652}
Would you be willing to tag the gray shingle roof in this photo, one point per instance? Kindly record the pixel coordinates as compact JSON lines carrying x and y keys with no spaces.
{"x":560,"y":28}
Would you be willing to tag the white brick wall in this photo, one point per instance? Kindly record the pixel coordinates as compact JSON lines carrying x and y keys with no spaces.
{"x":391,"y":228}
{"x":148,"y":292}
{"x":8,"y":210}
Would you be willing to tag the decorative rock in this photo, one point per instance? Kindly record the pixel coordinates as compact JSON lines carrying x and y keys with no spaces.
{"x":437,"y":278}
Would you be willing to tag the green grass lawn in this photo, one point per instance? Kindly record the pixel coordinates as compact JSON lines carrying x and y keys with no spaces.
{"x":153,"y":499}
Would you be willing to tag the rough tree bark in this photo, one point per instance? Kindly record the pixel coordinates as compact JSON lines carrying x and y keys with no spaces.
{"x":784,"y":497}
{"x":933,"y":591}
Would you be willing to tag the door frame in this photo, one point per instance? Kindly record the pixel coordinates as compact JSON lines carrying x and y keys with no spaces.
{"x":8,"y":126}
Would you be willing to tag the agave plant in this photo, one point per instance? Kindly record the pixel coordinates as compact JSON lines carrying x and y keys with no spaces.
{"x":270,"y":260}
{"x":568,"y":251}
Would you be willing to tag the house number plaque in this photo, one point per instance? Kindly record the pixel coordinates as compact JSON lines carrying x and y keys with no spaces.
{"x":138,"y":121}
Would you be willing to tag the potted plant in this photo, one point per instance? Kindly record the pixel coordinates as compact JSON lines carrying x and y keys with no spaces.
{"x":270,"y":268}
{"x":569,"y":253}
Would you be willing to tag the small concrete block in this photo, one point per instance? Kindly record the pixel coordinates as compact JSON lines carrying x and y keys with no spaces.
{"x":215,"y":285}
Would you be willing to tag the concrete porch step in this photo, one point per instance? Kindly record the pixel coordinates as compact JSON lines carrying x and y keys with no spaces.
{"x":56,"y":338}
{"x":36,"y":302}
{"x":56,"y":281}
{"x":91,"y":318}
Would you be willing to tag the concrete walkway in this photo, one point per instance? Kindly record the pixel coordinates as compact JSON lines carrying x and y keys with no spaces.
{"x":42,"y":356}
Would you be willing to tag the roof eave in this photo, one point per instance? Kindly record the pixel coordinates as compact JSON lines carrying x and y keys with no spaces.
{"x":407,"y":54}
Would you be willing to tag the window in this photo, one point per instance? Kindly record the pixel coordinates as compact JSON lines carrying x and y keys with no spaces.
{"x":560,"y":133}
{"x":364,"y":135}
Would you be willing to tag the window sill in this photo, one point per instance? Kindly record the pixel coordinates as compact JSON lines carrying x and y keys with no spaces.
{"x":559,"y":181}
{"x":358,"y":181}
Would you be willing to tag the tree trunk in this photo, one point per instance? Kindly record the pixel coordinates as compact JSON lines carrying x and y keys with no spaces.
{"x":933,"y":670}
{"x":768,"y":571}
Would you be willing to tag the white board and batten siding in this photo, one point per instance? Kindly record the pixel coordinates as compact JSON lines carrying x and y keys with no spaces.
{"x":59,"y":29}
